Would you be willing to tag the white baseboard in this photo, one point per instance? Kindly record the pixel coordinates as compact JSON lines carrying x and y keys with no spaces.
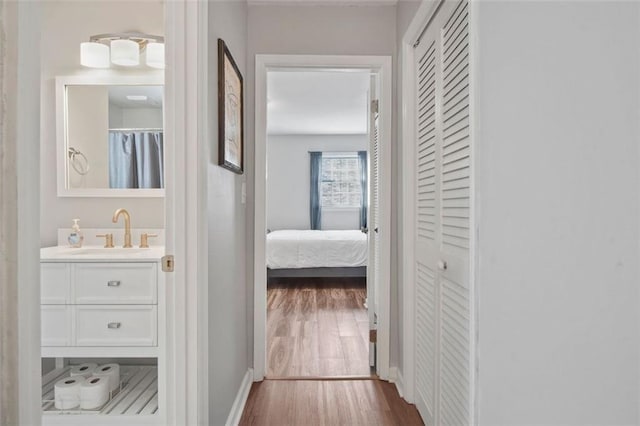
{"x":395,"y":377}
{"x":400,"y":384}
{"x":393,"y":374}
{"x":241,"y":399}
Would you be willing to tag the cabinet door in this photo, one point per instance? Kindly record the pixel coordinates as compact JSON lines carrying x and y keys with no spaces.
{"x":444,"y":362}
{"x":55,"y":325}
{"x":115,"y":283}
{"x":55,"y":283}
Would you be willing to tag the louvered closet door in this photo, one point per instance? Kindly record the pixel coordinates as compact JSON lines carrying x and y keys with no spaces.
{"x":455,"y":327}
{"x":427,"y":187}
{"x":443,"y":310}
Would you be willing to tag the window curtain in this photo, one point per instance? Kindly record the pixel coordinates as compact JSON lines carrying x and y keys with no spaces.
{"x":362,"y":156}
{"x":315,"y":209}
{"x":136,"y":160}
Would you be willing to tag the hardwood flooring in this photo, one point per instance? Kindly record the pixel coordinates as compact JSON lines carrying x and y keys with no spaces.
{"x":317,"y":327}
{"x":327,"y":402}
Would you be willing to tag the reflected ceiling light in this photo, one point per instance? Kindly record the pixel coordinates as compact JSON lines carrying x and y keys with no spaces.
{"x":122,"y":49}
{"x":136,"y":97}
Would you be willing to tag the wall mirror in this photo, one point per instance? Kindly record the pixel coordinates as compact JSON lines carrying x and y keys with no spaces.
{"x":110,"y":136}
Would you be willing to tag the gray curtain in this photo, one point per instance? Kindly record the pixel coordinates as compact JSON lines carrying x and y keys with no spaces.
{"x":136,"y":159}
{"x":362,"y":156}
{"x":315,"y":210}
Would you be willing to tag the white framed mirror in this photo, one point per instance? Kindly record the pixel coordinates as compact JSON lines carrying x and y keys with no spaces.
{"x":110,"y":135}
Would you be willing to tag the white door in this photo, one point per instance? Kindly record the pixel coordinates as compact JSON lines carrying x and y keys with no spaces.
{"x":444,"y":370}
{"x":373,"y":217}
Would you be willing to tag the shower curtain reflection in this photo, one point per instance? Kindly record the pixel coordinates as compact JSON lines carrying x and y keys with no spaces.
{"x":136,"y":159}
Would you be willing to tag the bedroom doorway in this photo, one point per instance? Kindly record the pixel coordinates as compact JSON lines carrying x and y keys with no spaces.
{"x":322,"y":242}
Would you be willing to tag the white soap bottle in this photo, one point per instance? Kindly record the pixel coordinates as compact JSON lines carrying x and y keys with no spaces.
{"x":75,"y":237}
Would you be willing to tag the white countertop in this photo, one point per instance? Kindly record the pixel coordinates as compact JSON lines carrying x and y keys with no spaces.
{"x":101,"y":254}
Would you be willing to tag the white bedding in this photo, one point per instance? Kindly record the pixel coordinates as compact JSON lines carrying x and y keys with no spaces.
{"x":316,"y":249}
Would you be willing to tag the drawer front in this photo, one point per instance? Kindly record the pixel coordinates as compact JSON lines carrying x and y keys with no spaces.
{"x":56,"y":325}
{"x":104,"y":325}
{"x":55,"y":283}
{"x":115,"y":283}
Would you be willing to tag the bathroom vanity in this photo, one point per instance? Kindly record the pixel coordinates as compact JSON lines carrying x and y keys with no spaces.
{"x":105,"y":303}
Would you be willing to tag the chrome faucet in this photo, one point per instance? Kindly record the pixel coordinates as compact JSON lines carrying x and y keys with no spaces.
{"x":127,"y":225}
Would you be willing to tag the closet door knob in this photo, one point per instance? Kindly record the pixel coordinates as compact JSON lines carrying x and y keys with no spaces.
{"x":113,"y":325}
{"x":113,"y":284}
{"x":442,"y":265}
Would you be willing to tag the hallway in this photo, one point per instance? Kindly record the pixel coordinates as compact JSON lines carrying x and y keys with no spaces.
{"x":327,"y":402}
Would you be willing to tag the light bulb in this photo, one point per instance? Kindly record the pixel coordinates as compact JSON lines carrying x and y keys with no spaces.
{"x":94,"y":55}
{"x":125,"y":53}
{"x":155,"y":55}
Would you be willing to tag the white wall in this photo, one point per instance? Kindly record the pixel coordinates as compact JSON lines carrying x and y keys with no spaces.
{"x":65,"y":24}
{"x":557,"y":163}
{"x":228,"y":286}
{"x":288,"y":173}
{"x":318,"y":30}
{"x":135,"y":118}
{"x":115,"y":117}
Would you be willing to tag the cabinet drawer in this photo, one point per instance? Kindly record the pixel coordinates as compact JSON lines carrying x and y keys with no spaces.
{"x":107,"y":325}
{"x":55,"y":283}
{"x":55,"y":325}
{"x":115,"y":283}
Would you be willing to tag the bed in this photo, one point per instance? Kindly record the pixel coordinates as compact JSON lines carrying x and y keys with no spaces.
{"x":310,"y":253}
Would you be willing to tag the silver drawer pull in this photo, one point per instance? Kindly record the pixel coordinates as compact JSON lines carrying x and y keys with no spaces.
{"x":113,"y":325}
{"x":113,"y":284}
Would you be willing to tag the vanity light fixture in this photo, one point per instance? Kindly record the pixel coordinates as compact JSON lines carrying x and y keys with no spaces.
{"x":122,"y":49}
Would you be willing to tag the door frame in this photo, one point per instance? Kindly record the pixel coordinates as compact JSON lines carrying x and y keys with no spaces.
{"x":264,"y":63}
{"x":186,"y":112}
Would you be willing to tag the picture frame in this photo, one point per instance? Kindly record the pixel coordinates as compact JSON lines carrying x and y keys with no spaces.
{"x":230,"y":111}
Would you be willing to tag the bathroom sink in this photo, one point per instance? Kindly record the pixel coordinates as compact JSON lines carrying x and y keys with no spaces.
{"x":99,"y":253}
{"x":107,"y":251}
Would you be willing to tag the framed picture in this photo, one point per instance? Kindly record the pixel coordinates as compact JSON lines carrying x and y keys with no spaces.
{"x":230,"y":112}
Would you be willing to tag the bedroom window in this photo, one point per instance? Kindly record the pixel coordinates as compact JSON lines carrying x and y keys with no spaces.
{"x":341,"y":183}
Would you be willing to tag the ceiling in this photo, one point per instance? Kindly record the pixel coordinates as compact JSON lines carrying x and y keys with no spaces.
{"x":317,"y":102}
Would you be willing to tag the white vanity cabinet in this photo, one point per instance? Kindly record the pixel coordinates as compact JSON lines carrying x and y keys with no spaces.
{"x":108,"y":305}
{"x":101,"y":304}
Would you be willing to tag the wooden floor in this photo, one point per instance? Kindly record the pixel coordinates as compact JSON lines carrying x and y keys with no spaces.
{"x":327,"y":402}
{"x":317,"y":327}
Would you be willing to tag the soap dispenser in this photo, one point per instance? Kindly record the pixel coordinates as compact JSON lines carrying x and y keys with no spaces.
{"x":75,"y":237}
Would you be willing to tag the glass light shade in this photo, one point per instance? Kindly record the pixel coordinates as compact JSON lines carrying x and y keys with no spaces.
{"x":125,"y":53}
{"x":155,"y":55}
{"x":94,"y":55}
